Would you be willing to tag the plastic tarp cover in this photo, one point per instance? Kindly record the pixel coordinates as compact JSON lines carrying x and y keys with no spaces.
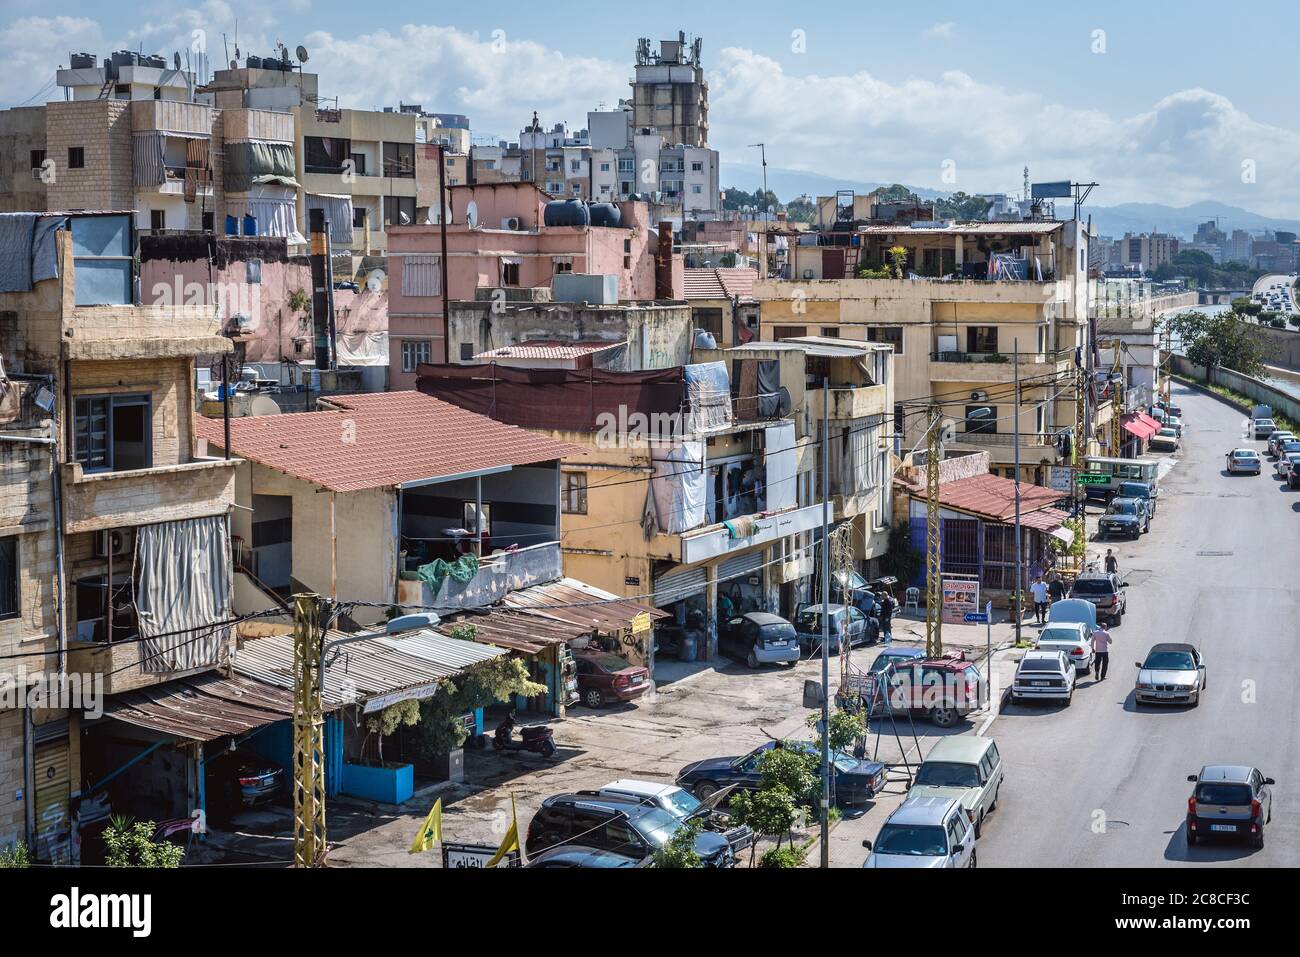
{"x":782,"y":464}
{"x":708,"y":392}
{"x":247,"y":161}
{"x":362,"y":348}
{"x":149,"y":169}
{"x":769,"y":388}
{"x":184,"y":585}
{"x":678,"y":485}
{"x":338,"y":210}
{"x":17,"y":244}
{"x":45,"y":256}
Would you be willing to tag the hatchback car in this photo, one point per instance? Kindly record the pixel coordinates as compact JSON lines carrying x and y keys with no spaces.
{"x":942,"y":690}
{"x":1262,"y":428}
{"x":1125,"y":516}
{"x":965,"y":767}
{"x":1244,"y":460}
{"x":844,"y":621}
{"x":1277,"y":438}
{"x":683,"y":805}
{"x":855,"y":780}
{"x":1106,"y":592}
{"x":1229,"y":800}
{"x":1166,"y":440}
{"x":1173,"y":673}
{"x":603,"y":678}
{"x":758,"y":638}
{"x":239,"y":779}
{"x":928,"y":832}
{"x":1074,"y":638}
{"x":1044,"y":676}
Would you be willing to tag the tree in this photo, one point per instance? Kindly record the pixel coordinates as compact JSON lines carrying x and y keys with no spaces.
{"x":1219,"y":340}
{"x":441,"y":728}
{"x":846,"y":727}
{"x":962,"y":207}
{"x":15,"y":855}
{"x":389,"y":720}
{"x":801,"y":210}
{"x":769,"y":812}
{"x":678,"y":852}
{"x":132,"y":845}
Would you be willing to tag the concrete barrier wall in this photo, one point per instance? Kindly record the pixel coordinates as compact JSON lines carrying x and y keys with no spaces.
{"x":1282,"y":346}
{"x":1261,"y":392}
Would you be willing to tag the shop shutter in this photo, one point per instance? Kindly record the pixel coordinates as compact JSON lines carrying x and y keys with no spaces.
{"x":51,"y":800}
{"x":739,"y":566}
{"x":675,"y":586}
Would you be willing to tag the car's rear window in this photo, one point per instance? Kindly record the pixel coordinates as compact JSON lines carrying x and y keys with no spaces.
{"x":912,"y":840}
{"x":1214,"y":793}
{"x":609,"y":662}
{"x":1093,"y":586}
{"x":948,"y":774}
{"x":1058,"y":634}
{"x":776,"y":632}
{"x":1244,"y":455}
{"x":1040,"y":664}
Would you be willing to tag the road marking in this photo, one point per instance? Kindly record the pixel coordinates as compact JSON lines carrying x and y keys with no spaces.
{"x":985,"y":726}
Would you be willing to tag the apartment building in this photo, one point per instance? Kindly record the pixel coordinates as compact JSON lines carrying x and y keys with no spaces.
{"x":681,"y":179}
{"x":669,"y":93}
{"x":972,"y":296}
{"x":1147,"y":251}
{"x":114,"y":543}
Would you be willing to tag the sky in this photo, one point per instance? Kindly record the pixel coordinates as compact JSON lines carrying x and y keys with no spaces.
{"x":1155,"y":101}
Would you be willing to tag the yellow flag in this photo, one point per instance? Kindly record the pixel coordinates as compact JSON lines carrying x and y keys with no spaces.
{"x":431,"y":832}
{"x":511,"y":841}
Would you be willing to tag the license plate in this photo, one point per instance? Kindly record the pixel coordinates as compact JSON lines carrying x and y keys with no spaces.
{"x":1166,"y":694}
{"x":638,"y":679}
{"x":1222,"y":827}
{"x":1038,"y":684}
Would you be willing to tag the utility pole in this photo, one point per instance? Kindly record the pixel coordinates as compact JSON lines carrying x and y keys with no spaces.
{"x":826,"y":628}
{"x":933,"y":541}
{"x":444,"y":211}
{"x":1019,"y":597}
{"x":762,"y":148}
{"x":309,"y":844}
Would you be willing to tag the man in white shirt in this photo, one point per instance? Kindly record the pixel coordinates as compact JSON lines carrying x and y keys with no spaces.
{"x":1038,"y":590}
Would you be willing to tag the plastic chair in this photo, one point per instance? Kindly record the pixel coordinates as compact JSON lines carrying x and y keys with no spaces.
{"x":912,"y":599}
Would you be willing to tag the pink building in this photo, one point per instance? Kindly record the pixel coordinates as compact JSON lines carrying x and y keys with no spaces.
{"x":496,"y":238}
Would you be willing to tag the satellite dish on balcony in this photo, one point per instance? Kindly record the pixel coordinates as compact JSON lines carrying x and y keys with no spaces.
{"x":947,"y":432}
{"x":302,"y":53}
{"x":471,"y":214}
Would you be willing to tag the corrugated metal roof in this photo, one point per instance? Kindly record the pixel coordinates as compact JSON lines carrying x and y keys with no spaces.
{"x":967,"y":229}
{"x":203,"y":708}
{"x":991,"y":497}
{"x":547,"y":350}
{"x":816,"y":346}
{"x":382,"y":440}
{"x":575,"y":602}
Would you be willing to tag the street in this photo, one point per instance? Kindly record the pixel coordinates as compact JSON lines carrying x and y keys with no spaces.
{"x":1103,"y":783}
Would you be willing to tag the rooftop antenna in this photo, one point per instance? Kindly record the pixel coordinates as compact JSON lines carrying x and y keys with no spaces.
{"x":1024,"y":194}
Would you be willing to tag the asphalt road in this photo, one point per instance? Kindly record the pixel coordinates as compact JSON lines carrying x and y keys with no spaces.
{"x":1103,"y":783}
{"x":1263,"y":284}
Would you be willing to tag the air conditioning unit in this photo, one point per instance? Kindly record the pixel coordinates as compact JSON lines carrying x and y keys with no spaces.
{"x":512,"y":223}
{"x":808,"y":274}
{"x":117,"y":541}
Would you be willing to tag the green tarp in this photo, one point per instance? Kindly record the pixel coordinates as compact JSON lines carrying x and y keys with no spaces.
{"x":461,"y":570}
{"x":247,"y":162}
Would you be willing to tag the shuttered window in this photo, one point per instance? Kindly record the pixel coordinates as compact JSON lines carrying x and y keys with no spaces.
{"x":421,"y":276}
{"x":8,"y":577}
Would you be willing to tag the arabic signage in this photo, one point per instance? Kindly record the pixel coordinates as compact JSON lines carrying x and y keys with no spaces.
{"x":475,"y":855}
{"x":961,"y":597}
{"x":1093,"y":478}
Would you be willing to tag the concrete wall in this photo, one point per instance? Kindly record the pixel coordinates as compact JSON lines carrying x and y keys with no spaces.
{"x":102,"y":128}
{"x":1263,"y":393}
{"x":22,"y":130}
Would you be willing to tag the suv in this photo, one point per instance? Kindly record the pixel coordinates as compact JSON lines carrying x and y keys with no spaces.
{"x":1105,"y":591}
{"x":929,"y":832}
{"x":941,"y":689}
{"x":1229,"y":799}
{"x":623,"y":825}
{"x":682,"y":805}
{"x":1149,"y":492}
{"x":964,"y":767}
{"x":1125,"y":516}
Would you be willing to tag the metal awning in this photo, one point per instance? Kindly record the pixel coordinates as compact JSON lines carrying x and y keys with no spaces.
{"x":579,"y":604}
{"x":203,"y":708}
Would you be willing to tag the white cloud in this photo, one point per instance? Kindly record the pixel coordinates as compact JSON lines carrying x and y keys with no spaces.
{"x":33,"y":48}
{"x":943,"y":31}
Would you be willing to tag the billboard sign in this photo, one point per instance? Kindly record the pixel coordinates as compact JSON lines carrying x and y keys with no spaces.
{"x":1061,"y":190}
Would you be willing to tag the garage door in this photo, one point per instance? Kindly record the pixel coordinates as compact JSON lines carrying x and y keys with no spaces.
{"x":738,"y":567}
{"x":53,"y":788}
{"x":675,"y":586}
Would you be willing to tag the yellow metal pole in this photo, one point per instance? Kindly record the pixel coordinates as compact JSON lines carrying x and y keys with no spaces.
{"x":308,"y":735}
{"x":933,"y":544}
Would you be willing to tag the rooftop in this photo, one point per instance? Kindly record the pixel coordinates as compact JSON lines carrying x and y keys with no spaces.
{"x":992,"y":497}
{"x":964,"y":229}
{"x":382,"y":440}
{"x":547,"y":349}
{"x":720,"y":283}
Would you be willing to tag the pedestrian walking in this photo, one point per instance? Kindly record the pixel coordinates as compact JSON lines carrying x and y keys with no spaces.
{"x":1112,"y":563}
{"x":1055,"y":586}
{"x":1038,"y":590}
{"x":887,"y":606}
{"x":1101,"y":652}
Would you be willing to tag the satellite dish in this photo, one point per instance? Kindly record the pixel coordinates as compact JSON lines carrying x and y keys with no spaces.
{"x":375,"y":281}
{"x":948,"y":431}
{"x":784,"y":403}
{"x":471,"y":214}
{"x":234,"y":64}
{"x":176,"y":60}
{"x":302,"y":53}
{"x":263,"y":405}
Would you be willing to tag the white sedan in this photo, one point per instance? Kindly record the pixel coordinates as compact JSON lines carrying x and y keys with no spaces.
{"x":1244,"y":460}
{"x":1072,"y":637}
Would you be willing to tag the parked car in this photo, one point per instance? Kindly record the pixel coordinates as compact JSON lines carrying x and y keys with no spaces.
{"x":1293,"y":471}
{"x":758,"y":638}
{"x":1125,"y":516}
{"x":1044,"y":676}
{"x":1175,"y":423}
{"x":1073,"y":611}
{"x":1166,"y":440}
{"x":1285,"y":449}
{"x":239,"y":779}
{"x":604,"y":677}
{"x":929,"y":832}
{"x":1230,"y":800}
{"x":1149,"y":492}
{"x":1173,"y":673}
{"x":683,"y":805}
{"x":1106,"y":592}
{"x":843,"y":620}
{"x":1276,"y":438}
{"x":1074,"y":638}
{"x":965,"y":767}
{"x":622,"y":825}
{"x":942,"y":690}
{"x":893,"y":656}
{"x":1262,"y":428}
{"x":1244,"y":460}
{"x":855,"y":780}
{"x":574,"y":855}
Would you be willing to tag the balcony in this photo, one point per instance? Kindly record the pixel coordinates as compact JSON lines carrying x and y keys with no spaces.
{"x":142,"y":332}
{"x":118,"y":664}
{"x":995,"y":366}
{"x":102,"y":500}
{"x":1035,"y":447}
{"x":848,"y":403}
{"x":171,"y":116}
{"x":19,"y":408}
{"x":713,"y":541}
{"x":174,"y":182}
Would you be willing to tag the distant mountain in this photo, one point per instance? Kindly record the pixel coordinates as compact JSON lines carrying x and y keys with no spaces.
{"x":1113,"y":221}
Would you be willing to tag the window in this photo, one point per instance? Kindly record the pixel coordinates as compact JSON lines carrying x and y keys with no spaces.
{"x":395,"y":207}
{"x":76,"y":157}
{"x":563,"y":264}
{"x":981,"y":419}
{"x":576,"y":189}
{"x":697,"y":167}
{"x":9,"y":601}
{"x":697,"y":189}
{"x":415,"y":352}
{"x":831,"y":332}
{"x":789,"y":332}
{"x":509,"y":272}
{"x":899,"y":418}
{"x":114,"y":433}
{"x":358,"y":163}
{"x":604,"y":167}
{"x":466,"y":352}
{"x":209,"y":221}
{"x":399,"y":160}
{"x":554,"y":188}
{"x":38,"y":159}
{"x":157,"y":219}
{"x":253,"y":272}
{"x":574,"y":498}
{"x":982,"y":339}
{"x":625,"y":188}
{"x":325,"y":154}
{"x":358,"y":217}
{"x":890,"y":334}
{"x":575,"y":166}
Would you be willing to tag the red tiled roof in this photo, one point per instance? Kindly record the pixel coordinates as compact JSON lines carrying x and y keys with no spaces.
{"x":992,"y":497}
{"x":720,"y":283}
{"x":1045,"y":519}
{"x":380,"y":440}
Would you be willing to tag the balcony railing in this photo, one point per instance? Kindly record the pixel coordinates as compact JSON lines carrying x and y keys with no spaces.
{"x":1043,"y":358}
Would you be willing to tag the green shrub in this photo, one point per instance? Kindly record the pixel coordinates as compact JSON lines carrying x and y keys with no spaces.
{"x":781,"y":857}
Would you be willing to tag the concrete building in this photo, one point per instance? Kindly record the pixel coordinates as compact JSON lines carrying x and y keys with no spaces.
{"x":1147,"y":251}
{"x":117,"y":529}
{"x":669,"y":93}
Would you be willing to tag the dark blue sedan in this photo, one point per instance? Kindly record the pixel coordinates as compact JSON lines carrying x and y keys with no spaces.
{"x":855,"y":781}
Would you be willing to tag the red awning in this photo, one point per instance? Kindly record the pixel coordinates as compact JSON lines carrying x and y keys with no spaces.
{"x":1134,"y":425}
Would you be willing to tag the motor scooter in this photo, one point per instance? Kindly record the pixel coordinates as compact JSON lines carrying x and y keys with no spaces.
{"x":537,"y":738}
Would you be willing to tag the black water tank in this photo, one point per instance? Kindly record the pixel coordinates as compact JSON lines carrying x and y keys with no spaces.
{"x":606,"y":214}
{"x":567,"y":212}
{"x":253,"y":62}
{"x":83,"y":61}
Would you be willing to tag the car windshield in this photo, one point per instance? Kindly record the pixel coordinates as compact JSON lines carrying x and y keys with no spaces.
{"x":1244,"y":455}
{"x":948,"y":774}
{"x":783,"y":631}
{"x":913,"y":840}
{"x":884,"y":661}
{"x":1040,"y":664}
{"x":1218,"y":793}
{"x":681,"y":802}
{"x":1169,"y":661}
{"x":1064,"y":635}
{"x":1120,"y":507}
{"x":1093,"y":586}
{"x":656,"y":825}
{"x":1168,"y":433}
